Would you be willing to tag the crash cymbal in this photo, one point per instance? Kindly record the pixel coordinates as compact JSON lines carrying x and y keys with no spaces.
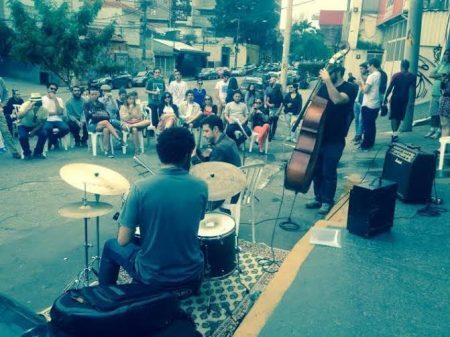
{"x":94,"y":178}
{"x":224,"y":180}
{"x":88,"y":209}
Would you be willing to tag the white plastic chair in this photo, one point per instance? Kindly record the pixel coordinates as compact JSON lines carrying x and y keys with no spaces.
{"x":93,"y":136}
{"x":151,"y":127}
{"x":247,"y":197}
{"x":254,"y":138}
{"x":125,"y":135}
{"x":444,"y":141}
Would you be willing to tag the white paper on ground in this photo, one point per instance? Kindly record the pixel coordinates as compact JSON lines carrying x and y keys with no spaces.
{"x":326,"y":237}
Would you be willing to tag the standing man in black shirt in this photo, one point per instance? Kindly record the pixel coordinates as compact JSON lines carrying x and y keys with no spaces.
{"x":338,"y":116}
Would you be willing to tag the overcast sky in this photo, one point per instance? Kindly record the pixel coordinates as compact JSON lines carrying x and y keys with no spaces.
{"x":312,"y":7}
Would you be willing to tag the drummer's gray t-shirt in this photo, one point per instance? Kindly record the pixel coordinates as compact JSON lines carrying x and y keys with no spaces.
{"x":168,"y":208}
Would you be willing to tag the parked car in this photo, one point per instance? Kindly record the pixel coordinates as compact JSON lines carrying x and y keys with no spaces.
{"x":207,"y":74}
{"x":250,"y":69}
{"x":257,"y":81}
{"x":140,"y":80}
{"x":115,"y":81}
{"x":239,"y":71}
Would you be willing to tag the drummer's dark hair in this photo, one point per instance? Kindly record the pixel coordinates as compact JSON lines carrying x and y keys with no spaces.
{"x":213,"y":121}
{"x":174,"y":145}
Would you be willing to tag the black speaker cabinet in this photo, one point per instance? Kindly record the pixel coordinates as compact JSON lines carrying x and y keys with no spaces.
{"x":412,"y":169}
{"x":371,"y":207}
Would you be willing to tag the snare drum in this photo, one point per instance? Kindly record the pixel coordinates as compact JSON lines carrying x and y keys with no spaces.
{"x":217,"y":233}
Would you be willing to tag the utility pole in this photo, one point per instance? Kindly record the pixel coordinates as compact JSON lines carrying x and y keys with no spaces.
{"x":144,"y":29}
{"x":412,"y":50}
{"x":286,"y":44}
{"x":236,"y":45}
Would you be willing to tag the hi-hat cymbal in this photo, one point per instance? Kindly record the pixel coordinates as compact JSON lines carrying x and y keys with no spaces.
{"x":88,"y":209}
{"x":224,"y":180}
{"x":94,"y":179}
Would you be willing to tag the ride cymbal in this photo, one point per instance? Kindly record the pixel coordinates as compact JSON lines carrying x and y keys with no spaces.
{"x":94,"y":179}
{"x":224,"y":180}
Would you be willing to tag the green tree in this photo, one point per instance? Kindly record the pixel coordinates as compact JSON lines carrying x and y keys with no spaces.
{"x":308,"y":43}
{"x":58,"y":38}
{"x":247,"y":20}
{"x":6,"y":40}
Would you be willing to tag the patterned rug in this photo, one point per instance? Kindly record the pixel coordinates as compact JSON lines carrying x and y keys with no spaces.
{"x":230,"y":298}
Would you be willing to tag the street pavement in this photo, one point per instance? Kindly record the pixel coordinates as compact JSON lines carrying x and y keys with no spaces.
{"x":42,"y":251}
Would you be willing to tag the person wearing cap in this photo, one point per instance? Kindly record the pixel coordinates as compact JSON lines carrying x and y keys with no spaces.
{"x":75,"y":116}
{"x":338,"y":114}
{"x":32,"y":117}
{"x":4,"y":131}
{"x":55,"y":127}
{"x":222,"y":91}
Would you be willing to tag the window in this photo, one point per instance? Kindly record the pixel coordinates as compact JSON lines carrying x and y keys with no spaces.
{"x":394,"y":40}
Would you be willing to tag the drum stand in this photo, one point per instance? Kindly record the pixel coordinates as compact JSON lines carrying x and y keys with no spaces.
{"x":289,"y":225}
{"x":82,"y":279}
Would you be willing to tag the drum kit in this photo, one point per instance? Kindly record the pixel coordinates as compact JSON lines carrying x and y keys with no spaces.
{"x":97,"y":180}
{"x":217,"y":231}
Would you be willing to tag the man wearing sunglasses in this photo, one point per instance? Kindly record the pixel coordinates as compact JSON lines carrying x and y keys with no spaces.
{"x":55,"y":127}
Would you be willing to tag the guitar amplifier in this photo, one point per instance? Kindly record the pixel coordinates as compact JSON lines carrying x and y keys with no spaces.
{"x":371,"y":207}
{"x":413,"y":170}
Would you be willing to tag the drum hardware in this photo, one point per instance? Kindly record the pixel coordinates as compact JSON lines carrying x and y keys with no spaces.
{"x":140,"y":163}
{"x":98,"y":180}
{"x":224,"y":180}
{"x":86,"y":210}
{"x":217,"y":235}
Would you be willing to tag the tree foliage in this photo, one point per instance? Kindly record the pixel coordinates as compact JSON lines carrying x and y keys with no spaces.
{"x":308,"y":43}
{"x":257,"y":19}
{"x":6,"y":40}
{"x":58,"y":38}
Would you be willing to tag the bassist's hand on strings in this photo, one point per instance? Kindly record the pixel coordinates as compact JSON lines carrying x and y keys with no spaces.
{"x":324,"y":75}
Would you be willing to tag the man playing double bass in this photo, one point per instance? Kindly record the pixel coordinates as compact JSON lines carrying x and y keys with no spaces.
{"x":338,"y":116}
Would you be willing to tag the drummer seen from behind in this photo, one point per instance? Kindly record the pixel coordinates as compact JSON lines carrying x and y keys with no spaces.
{"x":221,"y":147}
{"x":167,"y":208}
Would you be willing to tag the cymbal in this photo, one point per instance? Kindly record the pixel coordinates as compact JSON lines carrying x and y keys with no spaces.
{"x":224,"y":180}
{"x":94,"y":179}
{"x":88,"y":209}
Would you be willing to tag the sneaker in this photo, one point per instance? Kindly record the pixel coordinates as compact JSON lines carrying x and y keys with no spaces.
{"x":313,"y":204}
{"x":27,"y":157}
{"x":109,"y":154}
{"x":325,"y":208}
{"x":436,"y":135}
{"x":39,"y":156}
{"x":430,"y":133}
{"x":394,"y":139}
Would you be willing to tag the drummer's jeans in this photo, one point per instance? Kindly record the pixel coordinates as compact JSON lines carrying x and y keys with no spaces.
{"x":113,"y":257}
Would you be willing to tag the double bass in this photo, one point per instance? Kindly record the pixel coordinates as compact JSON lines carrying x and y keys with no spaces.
{"x":300,"y":168}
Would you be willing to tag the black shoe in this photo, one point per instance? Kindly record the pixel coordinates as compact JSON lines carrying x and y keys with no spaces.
{"x":39,"y":156}
{"x":394,"y":139}
{"x":27,"y":157}
{"x":313,"y":204}
{"x":84,"y":144}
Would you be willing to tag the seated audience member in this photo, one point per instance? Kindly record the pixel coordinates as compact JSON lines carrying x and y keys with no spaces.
{"x":190,"y":111}
{"x":111,"y":106}
{"x":199,"y":93}
{"x":133,"y":120}
{"x":209,"y":108}
{"x":32,"y":117}
{"x":167,"y":208}
{"x":122,"y":99}
{"x":167,"y":112}
{"x":260,"y":123}
{"x":75,"y":117}
{"x":236,"y":115}
{"x":8,"y":109}
{"x":55,"y":127}
{"x":98,"y":120}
